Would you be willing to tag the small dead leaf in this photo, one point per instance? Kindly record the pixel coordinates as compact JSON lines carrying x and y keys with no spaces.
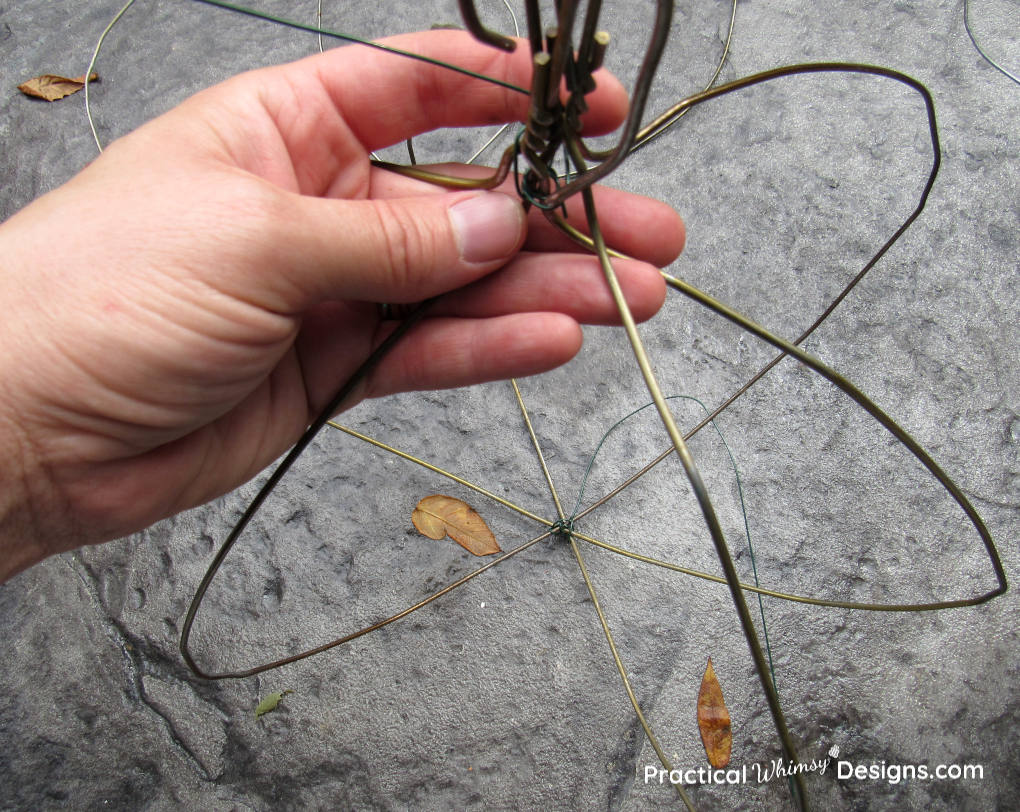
{"x":51,"y":87}
{"x":270,"y":702}
{"x":714,"y":720}
{"x":438,"y":516}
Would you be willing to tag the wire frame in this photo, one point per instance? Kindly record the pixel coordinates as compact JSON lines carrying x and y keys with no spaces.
{"x":298,"y":529}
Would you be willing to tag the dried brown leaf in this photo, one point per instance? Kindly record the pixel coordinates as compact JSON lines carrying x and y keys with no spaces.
{"x":51,"y":87}
{"x":714,"y":720}
{"x":438,"y":516}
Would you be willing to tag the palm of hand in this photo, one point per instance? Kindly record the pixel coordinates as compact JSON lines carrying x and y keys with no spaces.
{"x":214,"y":286}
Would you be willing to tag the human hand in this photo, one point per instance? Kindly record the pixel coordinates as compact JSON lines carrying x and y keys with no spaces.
{"x":213,"y":281}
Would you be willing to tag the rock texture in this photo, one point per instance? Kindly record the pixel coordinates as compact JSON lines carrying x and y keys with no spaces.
{"x":503,"y":694}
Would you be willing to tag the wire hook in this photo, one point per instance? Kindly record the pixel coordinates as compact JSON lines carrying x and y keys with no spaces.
{"x":479,"y":31}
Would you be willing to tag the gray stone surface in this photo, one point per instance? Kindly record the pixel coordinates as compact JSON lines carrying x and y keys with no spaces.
{"x":503,"y":695}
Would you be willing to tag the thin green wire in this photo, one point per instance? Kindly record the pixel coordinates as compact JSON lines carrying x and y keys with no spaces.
{"x":314,"y":29}
{"x":740,"y":494}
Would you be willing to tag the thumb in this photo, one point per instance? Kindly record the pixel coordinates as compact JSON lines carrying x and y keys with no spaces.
{"x":395,"y":250}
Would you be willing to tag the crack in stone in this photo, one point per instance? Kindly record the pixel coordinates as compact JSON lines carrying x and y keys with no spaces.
{"x":130,"y":651}
{"x":628,"y":749}
{"x":110,"y":626}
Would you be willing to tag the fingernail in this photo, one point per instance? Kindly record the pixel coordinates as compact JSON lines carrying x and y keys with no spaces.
{"x":487,"y":227}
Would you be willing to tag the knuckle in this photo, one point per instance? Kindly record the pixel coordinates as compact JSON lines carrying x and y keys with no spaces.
{"x":409,"y":247}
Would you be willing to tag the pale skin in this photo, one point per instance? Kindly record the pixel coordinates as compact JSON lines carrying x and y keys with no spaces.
{"x":215,"y":277}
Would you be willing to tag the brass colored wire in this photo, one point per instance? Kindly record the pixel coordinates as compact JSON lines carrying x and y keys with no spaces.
{"x":718,"y":70}
{"x":639,"y":96}
{"x":452,"y":181}
{"x":567,"y":530}
{"x":479,"y":31}
{"x":788,"y":348}
{"x":561,"y":51}
{"x":700,"y":492}
{"x":642,"y":141}
{"x":586,"y":44}
{"x":345,"y":391}
{"x":435,"y":469}
{"x":666,"y":118}
{"x":787,"y":596}
{"x":538,"y":450}
{"x":92,"y":65}
{"x":505,"y":127}
{"x":871,"y":408}
{"x":838,"y":380}
{"x":634,"y":136}
{"x":580,"y":237}
{"x":293,"y":658}
{"x":652,"y":739}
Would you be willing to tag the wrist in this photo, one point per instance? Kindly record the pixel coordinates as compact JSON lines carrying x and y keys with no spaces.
{"x":28,"y":501}
{"x":21,"y":539}
{"x":31,"y":507}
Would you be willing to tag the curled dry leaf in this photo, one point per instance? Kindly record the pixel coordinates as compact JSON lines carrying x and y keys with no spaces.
{"x":714,"y":720}
{"x":438,"y":516}
{"x":51,"y":87}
